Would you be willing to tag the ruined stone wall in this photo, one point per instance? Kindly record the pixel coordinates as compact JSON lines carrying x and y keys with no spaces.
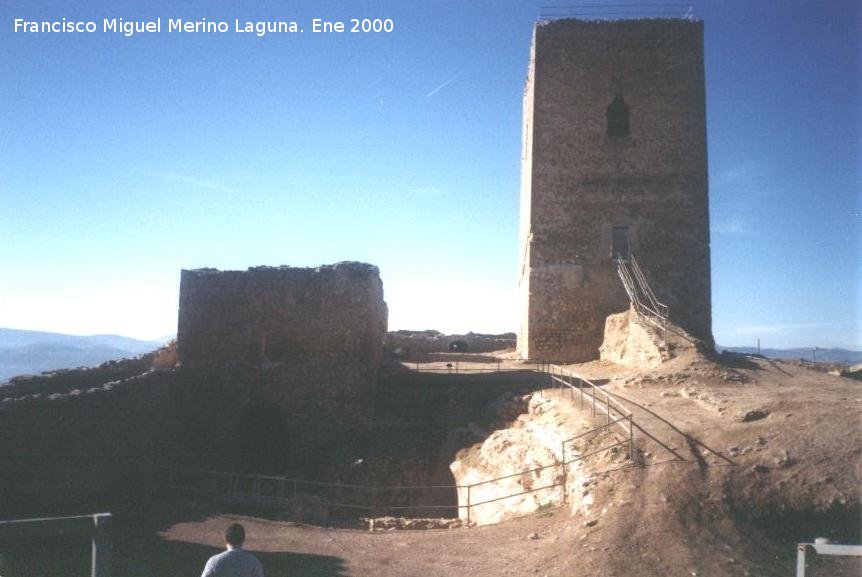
{"x":579,"y":182}
{"x":304,"y":342}
{"x":68,"y":449}
{"x":279,"y":314}
{"x":274,"y":363}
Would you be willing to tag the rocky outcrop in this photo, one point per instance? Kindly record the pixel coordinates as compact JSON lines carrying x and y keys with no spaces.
{"x":491,"y":475}
{"x":630,"y":340}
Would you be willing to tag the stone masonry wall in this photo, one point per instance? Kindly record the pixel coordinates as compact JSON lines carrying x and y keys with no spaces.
{"x":578,"y":182}
{"x":268,"y":315}
{"x":305,"y":343}
{"x":65,"y":451}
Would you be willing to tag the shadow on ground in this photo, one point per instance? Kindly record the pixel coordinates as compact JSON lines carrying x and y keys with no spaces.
{"x":173,"y":558}
{"x":139,"y":550}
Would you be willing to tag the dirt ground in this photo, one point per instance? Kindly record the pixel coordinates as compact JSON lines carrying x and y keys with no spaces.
{"x":737,"y":459}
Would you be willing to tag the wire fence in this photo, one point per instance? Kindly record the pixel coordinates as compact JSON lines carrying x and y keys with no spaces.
{"x":474,"y":367}
{"x":596,"y":400}
{"x":339,"y":499}
{"x":97,"y":527}
{"x":300,"y":495}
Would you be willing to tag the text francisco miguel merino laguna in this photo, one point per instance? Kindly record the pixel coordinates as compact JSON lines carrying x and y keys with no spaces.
{"x":258,"y":28}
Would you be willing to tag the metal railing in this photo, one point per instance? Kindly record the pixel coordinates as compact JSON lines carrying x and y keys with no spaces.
{"x":456,"y":368}
{"x":282,"y":490}
{"x":618,"y":11}
{"x":596,"y":399}
{"x":823,"y":547}
{"x":97,"y":525}
{"x":659,"y":308}
{"x":641,"y":295}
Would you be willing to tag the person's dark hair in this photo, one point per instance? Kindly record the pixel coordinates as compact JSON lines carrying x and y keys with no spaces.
{"x":235,"y":535}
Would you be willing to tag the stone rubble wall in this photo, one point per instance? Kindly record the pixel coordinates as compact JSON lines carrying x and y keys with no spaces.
{"x":307,"y":342}
{"x":291,"y":354}
{"x":268,"y":315}
{"x":65,"y":449}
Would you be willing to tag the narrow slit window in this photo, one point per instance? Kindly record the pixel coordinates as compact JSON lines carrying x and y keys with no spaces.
{"x":618,"y":117}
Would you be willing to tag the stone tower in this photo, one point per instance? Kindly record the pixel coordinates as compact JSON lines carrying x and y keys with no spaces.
{"x":614,"y":161}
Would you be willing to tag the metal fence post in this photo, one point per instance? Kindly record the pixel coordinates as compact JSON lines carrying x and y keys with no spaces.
{"x":608,"y":408}
{"x":468,"y":505}
{"x":565,"y":468}
{"x":581,"y":389}
{"x":101,"y":557}
{"x":631,"y":441}
{"x":593,"y":389}
{"x":800,"y":560}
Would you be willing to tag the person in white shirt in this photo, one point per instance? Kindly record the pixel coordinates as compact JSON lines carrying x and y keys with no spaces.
{"x":234,"y":562}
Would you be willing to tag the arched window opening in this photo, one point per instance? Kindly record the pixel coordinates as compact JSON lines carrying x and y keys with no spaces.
{"x":618,"y":117}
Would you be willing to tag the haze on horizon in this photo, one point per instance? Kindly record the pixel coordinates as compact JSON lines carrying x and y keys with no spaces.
{"x":129,"y":159}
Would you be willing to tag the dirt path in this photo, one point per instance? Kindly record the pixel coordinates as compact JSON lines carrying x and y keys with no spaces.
{"x":759,"y":456}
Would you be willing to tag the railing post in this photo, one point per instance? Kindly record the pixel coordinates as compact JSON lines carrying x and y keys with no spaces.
{"x":631,"y":441}
{"x":565,"y":471}
{"x":581,"y":389}
{"x":608,"y":408}
{"x":101,"y":557}
{"x":468,"y":505}
{"x":593,"y":389}
{"x":800,"y":560}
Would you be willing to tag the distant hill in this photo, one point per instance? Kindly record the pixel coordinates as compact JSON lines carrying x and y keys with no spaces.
{"x":31,"y":352}
{"x":842,"y":356}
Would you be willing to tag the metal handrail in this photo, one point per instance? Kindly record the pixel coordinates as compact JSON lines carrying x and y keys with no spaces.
{"x":376,"y":490}
{"x":660,"y":307}
{"x":98,"y":526}
{"x":635,"y":283}
{"x":584,"y":382}
{"x":557,"y":374}
{"x":455,"y":367}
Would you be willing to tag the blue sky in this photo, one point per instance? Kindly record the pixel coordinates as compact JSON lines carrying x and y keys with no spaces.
{"x":127,"y":159}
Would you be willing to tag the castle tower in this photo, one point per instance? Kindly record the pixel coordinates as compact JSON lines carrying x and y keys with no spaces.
{"x":614,"y":161}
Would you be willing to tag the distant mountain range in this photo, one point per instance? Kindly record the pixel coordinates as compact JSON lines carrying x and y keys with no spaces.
{"x":842,"y":356}
{"x":31,"y":352}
